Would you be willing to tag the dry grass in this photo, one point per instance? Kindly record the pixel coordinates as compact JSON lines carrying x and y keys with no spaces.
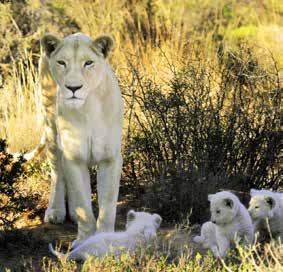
{"x":151,"y":34}
{"x":20,"y":102}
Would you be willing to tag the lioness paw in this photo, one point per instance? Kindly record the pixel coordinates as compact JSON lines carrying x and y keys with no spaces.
{"x":73,"y":215}
{"x":54,"y":216}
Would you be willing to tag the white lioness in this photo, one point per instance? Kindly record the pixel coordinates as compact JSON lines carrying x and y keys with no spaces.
{"x":232,"y":221}
{"x":266,"y":210}
{"x":141,"y":228}
{"x":83,"y":121}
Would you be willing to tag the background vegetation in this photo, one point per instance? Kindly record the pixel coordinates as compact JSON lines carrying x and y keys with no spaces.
{"x":201,"y":81}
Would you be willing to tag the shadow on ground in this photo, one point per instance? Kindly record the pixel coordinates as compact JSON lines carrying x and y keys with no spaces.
{"x":27,"y":246}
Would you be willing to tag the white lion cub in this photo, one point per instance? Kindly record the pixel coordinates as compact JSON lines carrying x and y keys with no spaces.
{"x":266,"y":210}
{"x":141,"y":228}
{"x":230,"y":221}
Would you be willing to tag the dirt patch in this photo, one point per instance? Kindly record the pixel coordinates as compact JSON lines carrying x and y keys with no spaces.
{"x":28,"y":246}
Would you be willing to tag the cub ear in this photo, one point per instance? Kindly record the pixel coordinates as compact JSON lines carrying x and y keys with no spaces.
{"x":131,"y":215}
{"x":253,"y":192}
{"x":270,"y":201}
{"x":103,"y":45}
{"x":209,"y":197}
{"x":49,"y":43}
{"x":157,"y":218}
{"x":228,"y":202}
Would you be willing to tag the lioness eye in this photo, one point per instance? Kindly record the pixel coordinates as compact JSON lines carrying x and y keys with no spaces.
{"x":89,"y":62}
{"x":61,"y":62}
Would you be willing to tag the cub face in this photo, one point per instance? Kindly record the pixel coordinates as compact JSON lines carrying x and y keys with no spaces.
{"x":261,"y":206}
{"x":77,"y":64}
{"x":222,"y":208}
{"x":149,"y":222}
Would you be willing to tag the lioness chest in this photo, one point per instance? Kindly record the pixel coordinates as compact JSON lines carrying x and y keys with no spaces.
{"x":89,"y":138}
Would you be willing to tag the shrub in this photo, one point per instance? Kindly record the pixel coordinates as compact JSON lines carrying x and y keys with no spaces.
{"x":11,"y":200}
{"x":207,"y":129}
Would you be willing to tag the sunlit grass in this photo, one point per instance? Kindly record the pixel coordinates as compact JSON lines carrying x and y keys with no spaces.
{"x":150,"y":34}
{"x":20,"y":106}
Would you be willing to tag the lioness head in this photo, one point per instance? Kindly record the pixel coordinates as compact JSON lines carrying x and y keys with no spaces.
{"x":223,"y":207}
{"x":77,"y":64}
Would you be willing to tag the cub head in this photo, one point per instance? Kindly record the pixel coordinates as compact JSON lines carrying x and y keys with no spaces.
{"x":261,"y":206}
{"x":224,"y":207}
{"x":77,"y":64}
{"x":143,"y":222}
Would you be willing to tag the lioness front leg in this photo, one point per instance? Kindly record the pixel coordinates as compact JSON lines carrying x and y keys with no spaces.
{"x":108,"y":180}
{"x":78,"y":184}
{"x":56,"y":211}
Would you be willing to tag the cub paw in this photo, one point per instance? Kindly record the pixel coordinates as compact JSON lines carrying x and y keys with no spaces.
{"x":54,"y":216}
{"x":198,"y":239}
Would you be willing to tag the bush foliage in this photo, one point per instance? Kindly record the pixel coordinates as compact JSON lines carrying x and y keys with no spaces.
{"x":11,"y":201}
{"x":204,"y":130}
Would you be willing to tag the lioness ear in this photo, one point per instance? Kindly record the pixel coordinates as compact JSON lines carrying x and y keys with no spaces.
{"x":157,"y":218}
{"x":49,"y":43}
{"x":103,"y":44}
{"x":131,"y":215}
{"x":228,"y":202}
{"x":270,"y":201}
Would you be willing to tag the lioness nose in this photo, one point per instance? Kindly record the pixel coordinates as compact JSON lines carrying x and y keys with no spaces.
{"x":73,"y":88}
